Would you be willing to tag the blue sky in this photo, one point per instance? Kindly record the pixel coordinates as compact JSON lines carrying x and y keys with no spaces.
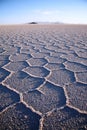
{"x":24,"y":11}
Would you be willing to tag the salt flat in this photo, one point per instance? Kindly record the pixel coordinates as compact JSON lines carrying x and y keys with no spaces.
{"x":43,"y":77}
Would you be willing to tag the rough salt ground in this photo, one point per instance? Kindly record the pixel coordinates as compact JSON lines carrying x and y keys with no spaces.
{"x":43,"y":77}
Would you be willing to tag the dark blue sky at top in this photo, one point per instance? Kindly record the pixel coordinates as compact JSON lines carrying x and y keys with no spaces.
{"x":23,"y":11}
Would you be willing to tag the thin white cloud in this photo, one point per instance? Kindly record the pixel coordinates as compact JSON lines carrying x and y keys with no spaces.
{"x":46,"y":15}
{"x":46,"y":12}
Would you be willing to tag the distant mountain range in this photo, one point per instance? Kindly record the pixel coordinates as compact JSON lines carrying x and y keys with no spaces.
{"x":45,"y":23}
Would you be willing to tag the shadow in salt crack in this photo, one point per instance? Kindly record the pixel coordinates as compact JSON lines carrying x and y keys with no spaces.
{"x":19,"y":117}
{"x":3,"y":74}
{"x":17,"y":66}
{"x":20,"y":57}
{"x":48,"y":97}
{"x":66,"y":118}
{"x":4,"y":57}
{"x":61,"y":77}
{"x":3,"y":62}
{"x":7,"y":97}
{"x":37,"y":61}
{"x":23,"y":82}
{"x":37,"y":71}
{"x":1,"y":50}
{"x":75,"y":67}
{"x":76,"y":94}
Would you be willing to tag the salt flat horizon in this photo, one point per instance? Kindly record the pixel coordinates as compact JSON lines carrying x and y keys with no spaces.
{"x":42,"y":23}
{"x":43,"y":77}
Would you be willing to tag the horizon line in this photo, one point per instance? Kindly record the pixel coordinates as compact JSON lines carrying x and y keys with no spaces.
{"x":45,"y":22}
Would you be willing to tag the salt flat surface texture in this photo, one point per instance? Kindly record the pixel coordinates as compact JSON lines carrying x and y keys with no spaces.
{"x":43,"y":77}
